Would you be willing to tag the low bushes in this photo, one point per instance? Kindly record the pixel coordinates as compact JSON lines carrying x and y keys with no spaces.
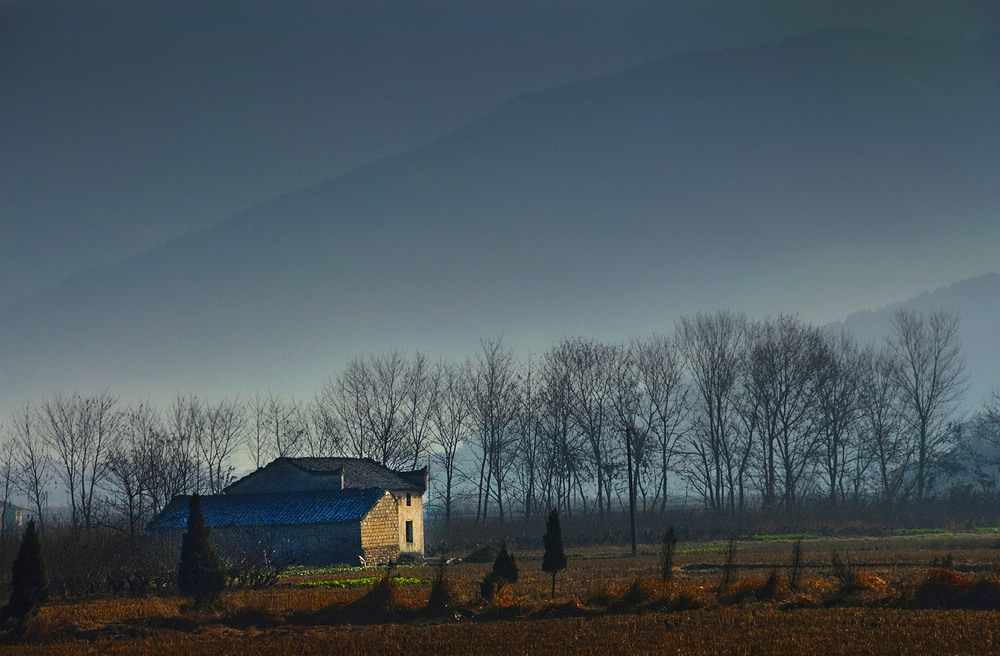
{"x":947,"y":588}
{"x":773,"y":587}
{"x":644,"y":594}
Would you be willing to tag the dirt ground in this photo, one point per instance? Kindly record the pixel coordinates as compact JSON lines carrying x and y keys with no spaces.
{"x":606,"y":602}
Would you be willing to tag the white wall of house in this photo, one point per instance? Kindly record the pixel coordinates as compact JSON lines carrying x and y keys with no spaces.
{"x":411,"y":522}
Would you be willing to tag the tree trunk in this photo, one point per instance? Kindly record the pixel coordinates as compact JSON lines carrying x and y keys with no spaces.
{"x":631,"y":487}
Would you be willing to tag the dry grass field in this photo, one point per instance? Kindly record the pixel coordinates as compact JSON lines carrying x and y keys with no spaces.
{"x":906,"y":594}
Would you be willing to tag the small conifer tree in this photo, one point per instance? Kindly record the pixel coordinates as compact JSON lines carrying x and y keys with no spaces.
{"x":554,"y":559}
{"x":28,"y":589}
{"x":505,"y":568}
{"x":504,"y":572}
{"x":440,"y":601}
{"x":200,"y":574}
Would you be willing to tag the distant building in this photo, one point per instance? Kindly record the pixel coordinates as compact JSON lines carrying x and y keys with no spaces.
{"x":315,"y":511}
{"x":15,"y":518}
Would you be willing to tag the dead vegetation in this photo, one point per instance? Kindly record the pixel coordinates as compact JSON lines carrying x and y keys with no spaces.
{"x":837,"y":585}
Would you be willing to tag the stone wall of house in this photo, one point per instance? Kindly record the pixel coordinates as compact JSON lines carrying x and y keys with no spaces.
{"x":412,"y":512}
{"x":283,"y":477}
{"x":379,"y":537}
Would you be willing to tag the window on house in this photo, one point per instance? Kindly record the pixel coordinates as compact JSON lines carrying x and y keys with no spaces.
{"x":409,"y":531}
{"x":408,"y":499}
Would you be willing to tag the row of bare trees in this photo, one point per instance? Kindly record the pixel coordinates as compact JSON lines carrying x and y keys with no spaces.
{"x":733,"y":412}
{"x":111,"y":463}
{"x":788,"y":411}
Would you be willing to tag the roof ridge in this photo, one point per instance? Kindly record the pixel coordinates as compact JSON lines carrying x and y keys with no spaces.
{"x":355,"y":472}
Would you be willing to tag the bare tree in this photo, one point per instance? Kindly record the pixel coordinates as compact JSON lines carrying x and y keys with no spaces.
{"x":386,"y":410}
{"x":186,"y":421}
{"x":81,"y":433}
{"x":626,"y":410}
{"x":661,"y":374}
{"x":563,"y":455}
{"x":837,"y":394}
{"x":931,"y":380}
{"x":225,"y":424}
{"x":421,"y":389}
{"x":344,"y":403}
{"x":275,"y":427}
{"x":32,"y":463}
{"x":320,"y":438}
{"x":493,"y":397}
{"x":172,"y":470}
{"x":8,"y":476}
{"x":591,"y":374}
{"x":134,"y":465}
{"x":258,"y":445}
{"x":592,"y":384}
{"x":284,"y":421}
{"x":713,"y":347}
{"x":880,"y":421}
{"x":450,"y":416}
{"x":983,"y":447}
{"x":530,"y":436}
{"x":784,"y":356}
{"x":366,"y":403}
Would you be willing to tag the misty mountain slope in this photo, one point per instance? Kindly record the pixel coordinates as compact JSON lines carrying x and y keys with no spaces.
{"x":126,"y":124}
{"x":976,"y":301}
{"x":608,"y":207}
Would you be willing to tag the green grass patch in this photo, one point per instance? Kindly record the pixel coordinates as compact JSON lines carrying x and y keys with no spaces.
{"x":707,"y":550}
{"x":314,"y":571}
{"x":355,"y":583}
{"x":921,"y":531}
{"x":777,"y":537}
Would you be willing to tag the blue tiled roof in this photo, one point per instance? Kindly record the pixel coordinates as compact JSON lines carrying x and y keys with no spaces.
{"x":319,"y":507}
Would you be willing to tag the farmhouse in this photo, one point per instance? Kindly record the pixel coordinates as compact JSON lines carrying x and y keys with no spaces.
{"x":14,"y":518}
{"x":314,"y":511}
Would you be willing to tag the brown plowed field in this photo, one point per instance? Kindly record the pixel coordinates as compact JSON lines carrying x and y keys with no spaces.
{"x":606,"y":603}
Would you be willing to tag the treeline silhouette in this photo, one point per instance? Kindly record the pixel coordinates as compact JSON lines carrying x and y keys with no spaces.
{"x":725,"y":414}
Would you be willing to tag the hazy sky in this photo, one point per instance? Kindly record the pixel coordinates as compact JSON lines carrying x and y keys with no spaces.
{"x":124,"y":124}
